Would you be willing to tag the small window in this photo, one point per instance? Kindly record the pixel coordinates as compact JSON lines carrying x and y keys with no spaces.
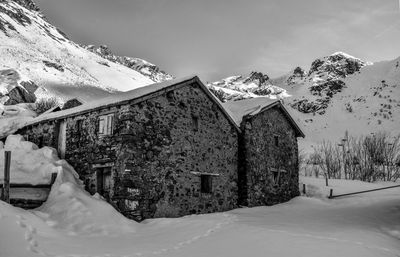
{"x":276,"y":140}
{"x":195,"y":123}
{"x":278,"y":175}
{"x":106,"y":124}
{"x":206,"y":183}
{"x":79,"y":125}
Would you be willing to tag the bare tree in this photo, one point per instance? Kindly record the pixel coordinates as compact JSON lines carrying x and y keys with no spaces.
{"x":367,"y":158}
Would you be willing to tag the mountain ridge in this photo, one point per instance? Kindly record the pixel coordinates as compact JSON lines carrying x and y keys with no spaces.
{"x":338,"y":93}
{"x":61,"y":68}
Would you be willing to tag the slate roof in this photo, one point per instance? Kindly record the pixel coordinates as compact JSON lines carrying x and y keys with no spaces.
{"x":124,"y":97}
{"x":248,"y":108}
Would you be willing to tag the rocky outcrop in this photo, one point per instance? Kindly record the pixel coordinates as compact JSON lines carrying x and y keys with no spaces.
{"x":28,"y":4}
{"x":13,"y":90}
{"x":224,"y":96}
{"x":54,"y":65}
{"x":305,"y":106}
{"x":16,"y":15}
{"x":241,"y":87}
{"x":337,"y":65}
{"x":323,"y":81}
{"x":145,"y":68}
{"x":298,"y":75}
{"x":257,"y":77}
{"x":328,"y":88}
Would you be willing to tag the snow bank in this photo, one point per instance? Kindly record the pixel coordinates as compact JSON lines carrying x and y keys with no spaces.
{"x":29,"y":164}
{"x":68,"y":206}
{"x":13,"y":117}
{"x":73,"y":223}
{"x":316,"y":188}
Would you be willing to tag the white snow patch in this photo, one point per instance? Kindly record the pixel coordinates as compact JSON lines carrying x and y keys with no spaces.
{"x":74,"y":223}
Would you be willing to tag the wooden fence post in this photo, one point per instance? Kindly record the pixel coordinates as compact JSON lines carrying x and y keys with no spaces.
{"x":6,"y":185}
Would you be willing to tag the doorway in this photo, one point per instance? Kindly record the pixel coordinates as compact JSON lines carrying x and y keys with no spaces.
{"x":103,"y":181}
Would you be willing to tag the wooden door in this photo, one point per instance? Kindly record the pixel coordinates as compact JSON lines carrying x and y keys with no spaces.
{"x":62,"y":138}
{"x":103,"y":181}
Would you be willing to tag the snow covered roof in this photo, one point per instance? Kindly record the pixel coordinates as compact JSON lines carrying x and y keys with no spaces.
{"x":251,"y":107}
{"x":122,"y":97}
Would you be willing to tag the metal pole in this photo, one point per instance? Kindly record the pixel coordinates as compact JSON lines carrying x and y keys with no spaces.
{"x":6,"y":185}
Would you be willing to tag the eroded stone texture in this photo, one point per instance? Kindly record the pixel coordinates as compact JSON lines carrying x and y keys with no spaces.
{"x":260,"y":157}
{"x":158,"y":148}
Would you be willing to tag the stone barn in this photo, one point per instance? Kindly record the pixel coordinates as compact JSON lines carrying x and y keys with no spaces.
{"x":172,"y":149}
{"x":163,"y":150}
{"x":268,"y":151}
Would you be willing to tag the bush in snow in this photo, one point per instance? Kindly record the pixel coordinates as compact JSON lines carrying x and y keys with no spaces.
{"x":45,"y":104}
{"x":367,"y":158}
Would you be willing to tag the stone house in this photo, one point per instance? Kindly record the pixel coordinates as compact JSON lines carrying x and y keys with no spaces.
{"x":172,"y":149}
{"x":164,"y":150}
{"x":268,"y":151}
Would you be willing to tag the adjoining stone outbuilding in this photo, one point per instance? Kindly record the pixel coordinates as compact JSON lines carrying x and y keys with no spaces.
{"x":164,"y":150}
{"x":172,"y":149}
{"x":268,"y":151}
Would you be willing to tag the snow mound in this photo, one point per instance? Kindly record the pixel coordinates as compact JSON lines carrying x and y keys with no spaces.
{"x":68,"y":207}
{"x":316,"y":188}
{"x":29,"y":164}
{"x":13,"y":117}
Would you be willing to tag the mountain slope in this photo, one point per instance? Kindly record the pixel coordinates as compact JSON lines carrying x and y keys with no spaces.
{"x":42,"y":53}
{"x":341,"y":93}
{"x":240,"y":87}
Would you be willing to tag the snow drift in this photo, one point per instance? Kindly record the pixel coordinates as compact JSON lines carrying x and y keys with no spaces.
{"x":69,"y":206}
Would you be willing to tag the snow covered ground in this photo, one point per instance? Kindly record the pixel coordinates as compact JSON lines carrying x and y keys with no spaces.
{"x":13,"y":117}
{"x":74,"y":223}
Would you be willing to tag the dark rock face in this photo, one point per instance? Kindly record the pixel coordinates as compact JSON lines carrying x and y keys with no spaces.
{"x":328,"y":88}
{"x":54,"y":65}
{"x":257,"y":76}
{"x":337,"y":64}
{"x":325,"y":91}
{"x":19,"y":95}
{"x":145,"y":68}
{"x":71,"y":103}
{"x":29,"y":86}
{"x":305,"y":106}
{"x":16,"y":15}
{"x":299,"y":71}
{"x":268,"y":170}
{"x":16,"y":92}
{"x":223,"y":96}
{"x":28,"y":4}
{"x":158,"y":149}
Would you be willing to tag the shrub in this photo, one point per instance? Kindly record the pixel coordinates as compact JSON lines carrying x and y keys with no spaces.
{"x":44,"y":104}
{"x":366,"y":158}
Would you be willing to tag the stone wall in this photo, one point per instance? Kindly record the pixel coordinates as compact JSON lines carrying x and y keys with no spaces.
{"x":157,"y":152}
{"x":260,"y":159}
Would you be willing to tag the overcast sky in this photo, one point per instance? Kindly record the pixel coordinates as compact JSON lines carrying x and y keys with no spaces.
{"x":219,"y":38}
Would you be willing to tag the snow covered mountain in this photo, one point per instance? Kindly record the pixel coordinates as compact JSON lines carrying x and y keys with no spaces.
{"x":43,"y":55}
{"x":239,"y":87}
{"x":338,"y":93}
{"x":144,"y":67}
